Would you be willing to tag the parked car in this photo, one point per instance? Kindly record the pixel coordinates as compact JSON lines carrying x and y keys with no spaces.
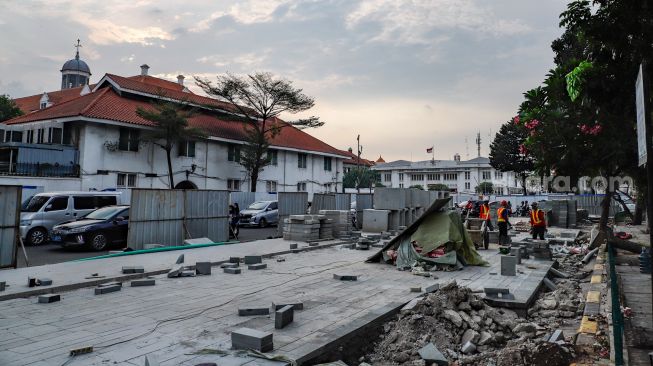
{"x":45,"y":210}
{"x":260,"y":213}
{"x":98,"y":230}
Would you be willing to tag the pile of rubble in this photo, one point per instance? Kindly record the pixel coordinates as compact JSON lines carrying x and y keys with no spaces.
{"x":464,"y":329}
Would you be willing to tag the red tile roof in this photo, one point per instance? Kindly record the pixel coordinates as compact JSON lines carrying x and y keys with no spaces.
{"x":353,"y":159}
{"x":106,"y":104}
{"x":157,"y":82}
{"x":33,"y":102}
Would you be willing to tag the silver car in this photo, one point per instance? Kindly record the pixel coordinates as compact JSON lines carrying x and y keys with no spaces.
{"x":260,"y":213}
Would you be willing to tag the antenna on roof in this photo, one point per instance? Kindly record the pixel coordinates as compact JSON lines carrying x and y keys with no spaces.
{"x":478,"y":143}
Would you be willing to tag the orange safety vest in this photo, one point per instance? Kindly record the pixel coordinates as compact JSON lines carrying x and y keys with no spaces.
{"x":500,"y":214}
{"x":484,"y":212}
{"x":535,"y":218}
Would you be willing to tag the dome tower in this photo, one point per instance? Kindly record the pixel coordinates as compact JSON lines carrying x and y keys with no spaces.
{"x":75,"y":72}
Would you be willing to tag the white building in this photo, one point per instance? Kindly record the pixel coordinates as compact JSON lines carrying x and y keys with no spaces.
{"x":459,"y":176}
{"x":90,"y":138}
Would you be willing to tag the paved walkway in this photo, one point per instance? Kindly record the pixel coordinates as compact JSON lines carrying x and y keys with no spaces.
{"x":179,"y":318}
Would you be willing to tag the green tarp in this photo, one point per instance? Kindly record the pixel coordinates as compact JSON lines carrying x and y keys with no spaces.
{"x":436,"y":228}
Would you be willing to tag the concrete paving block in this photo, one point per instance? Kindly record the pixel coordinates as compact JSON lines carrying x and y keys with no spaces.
{"x":234,"y":260}
{"x":494,"y":291}
{"x":114,"y":283}
{"x":296,"y":305}
{"x":101,"y":290}
{"x":175,"y":270}
{"x":313,"y":243}
{"x":415,"y":289}
{"x":345,"y":277}
{"x":257,"y":266}
{"x":432,"y":354}
{"x":294,"y":246}
{"x":32,"y":282}
{"x":203,"y":268}
{"x":558,"y":335}
{"x":516,"y":252}
{"x":410,"y":305}
{"x":143,"y":282}
{"x":246,"y":338}
{"x":508,"y":265}
{"x":46,"y":299}
{"x":180,"y":259}
{"x":187,"y":273}
{"x":432,"y":288}
{"x":232,"y":270}
{"x":3,"y":285}
{"x":253,"y":259}
{"x":44,"y":282}
{"x":249,"y":311}
{"x":229,"y":265}
{"x":468,"y":348}
{"x":283,"y":317}
{"x":151,"y":360}
{"x":133,"y":269}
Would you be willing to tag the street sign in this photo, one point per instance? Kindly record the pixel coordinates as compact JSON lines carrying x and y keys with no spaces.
{"x":642,"y":115}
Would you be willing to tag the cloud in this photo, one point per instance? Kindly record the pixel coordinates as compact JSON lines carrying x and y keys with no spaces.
{"x":421,"y":21}
{"x":246,"y":61}
{"x":245,"y":12}
{"x":106,"y":32}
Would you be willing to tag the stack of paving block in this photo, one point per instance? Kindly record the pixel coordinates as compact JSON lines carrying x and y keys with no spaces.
{"x":303,"y":227}
{"x":341,"y":221}
{"x":326,"y":228}
{"x":541,"y":250}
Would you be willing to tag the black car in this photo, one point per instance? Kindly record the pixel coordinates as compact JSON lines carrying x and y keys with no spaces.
{"x":99,"y":229}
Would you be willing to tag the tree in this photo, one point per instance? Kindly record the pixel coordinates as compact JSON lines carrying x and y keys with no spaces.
{"x":8,"y":108}
{"x":260,"y":98}
{"x":438,"y":187}
{"x":485,"y":188}
{"x":361,"y":178}
{"x":171,"y":126}
{"x":507,"y":152}
{"x":417,"y":186}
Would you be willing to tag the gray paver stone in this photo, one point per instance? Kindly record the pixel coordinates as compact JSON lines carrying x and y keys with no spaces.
{"x":253,"y":259}
{"x":46,"y":299}
{"x":468,"y":348}
{"x":283,"y":317}
{"x":143,"y":282}
{"x":558,"y":335}
{"x":431,"y":354}
{"x":203,"y":268}
{"x":345,"y":277}
{"x":296,"y":305}
{"x":232,"y":270}
{"x":101,"y":290}
{"x":229,"y":265}
{"x":257,"y":266}
{"x":44,"y":282}
{"x":508,"y":265}
{"x":246,"y":338}
{"x":260,"y":310}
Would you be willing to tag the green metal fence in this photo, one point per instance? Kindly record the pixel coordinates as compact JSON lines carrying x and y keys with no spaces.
{"x":617,"y":316}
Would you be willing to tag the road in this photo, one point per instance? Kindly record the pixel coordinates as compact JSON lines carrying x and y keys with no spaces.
{"x":53,"y":253}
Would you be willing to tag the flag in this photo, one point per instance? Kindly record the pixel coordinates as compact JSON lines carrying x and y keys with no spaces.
{"x":429,"y":150}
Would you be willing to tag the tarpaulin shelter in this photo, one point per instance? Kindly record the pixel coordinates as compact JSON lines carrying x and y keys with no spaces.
{"x":436,"y":228}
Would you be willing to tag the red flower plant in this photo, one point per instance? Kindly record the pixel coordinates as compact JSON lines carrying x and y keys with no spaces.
{"x":515,"y":119}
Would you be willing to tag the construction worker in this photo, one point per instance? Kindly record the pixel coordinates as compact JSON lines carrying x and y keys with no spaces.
{"x":484,"y":213}
{"x":538,"y":222}
{"x":502,"y":222}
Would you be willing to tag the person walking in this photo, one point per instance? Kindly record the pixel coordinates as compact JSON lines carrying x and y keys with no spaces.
{"x":503,"y":222}
{"x":538,"y":222}
{"x":484,"y":214}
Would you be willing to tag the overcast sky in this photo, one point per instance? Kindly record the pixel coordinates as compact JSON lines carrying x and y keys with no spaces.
{"x":405,"y":75}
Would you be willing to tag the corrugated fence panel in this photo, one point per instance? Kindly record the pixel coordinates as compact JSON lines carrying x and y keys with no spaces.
{"x":10,"y":199}
{"x":343,"y":201}
{"x":291,"y":203}
{"x":168,"y":217}
{"x":323,"y":201}
{"x":364,"y":201}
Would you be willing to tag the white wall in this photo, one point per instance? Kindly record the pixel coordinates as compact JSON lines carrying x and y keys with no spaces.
{"x":211,"y":161}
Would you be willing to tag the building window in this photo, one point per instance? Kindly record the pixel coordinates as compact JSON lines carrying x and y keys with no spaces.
{"x":55,"y":135}
{"x":467,"y":175}
{"x":14,"y":136}
{"x":433,"y":176}
{"x":468,"y":186}
{"x":273,"y":156}
{"x":387,"y":177}
{"x":233,"y":184}
{"x":450,"y":176}
{"x":487,"y":175}
{"x":301,"y":160}
{"x":129,"y":138}
{"x":271,"y":186}
{"x":40,"y":136}
{"x":126,"y":180}
{"x":327,"y":164}
{"x":401,"y":179}
{"x":301,"y":187}
{"x":43,"y":105}
{"x":498,"y":175}
{"x":187,"y":148}
{"x":30,"y":137}
{"x":327,"y":187}
{"x":401,"y":185}
{"x":233,"y":153}
{"x":417,"y":177}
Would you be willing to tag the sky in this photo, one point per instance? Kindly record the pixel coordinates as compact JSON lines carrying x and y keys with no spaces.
{"x":405,"y":75}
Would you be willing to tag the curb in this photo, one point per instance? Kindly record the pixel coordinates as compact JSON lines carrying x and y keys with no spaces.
{"x":598,"y":283}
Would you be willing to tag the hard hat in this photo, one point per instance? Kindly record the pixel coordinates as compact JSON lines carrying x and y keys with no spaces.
{"x":504,"y":203}
{"x":534,"y":204}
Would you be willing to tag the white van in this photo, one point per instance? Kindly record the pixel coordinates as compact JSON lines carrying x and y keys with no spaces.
{"x":45,"y":210}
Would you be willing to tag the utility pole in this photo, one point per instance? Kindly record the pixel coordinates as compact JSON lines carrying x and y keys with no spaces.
{"x":359,"y":150}
{"x":478,"y":143}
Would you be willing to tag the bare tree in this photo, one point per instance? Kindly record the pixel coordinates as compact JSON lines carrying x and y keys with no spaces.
{"x":261,"y":99}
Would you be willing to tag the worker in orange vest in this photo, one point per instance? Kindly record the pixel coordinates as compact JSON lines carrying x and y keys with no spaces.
{"x":484,"y":214}
{"x":502,"y":222}
{"x":538,"y":222}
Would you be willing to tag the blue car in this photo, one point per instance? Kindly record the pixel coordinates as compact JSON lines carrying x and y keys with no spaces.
{"x":104,"y":227}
